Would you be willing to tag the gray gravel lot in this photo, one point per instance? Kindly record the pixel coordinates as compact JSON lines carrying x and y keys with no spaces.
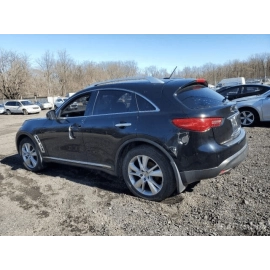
{"x":62,"y":200}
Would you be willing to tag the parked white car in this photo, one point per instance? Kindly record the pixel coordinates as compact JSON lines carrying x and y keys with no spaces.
{"x":44,"y":105}
{"x":21,"y":106}
{"x":2,"y":109}
{"x":59,"y":101}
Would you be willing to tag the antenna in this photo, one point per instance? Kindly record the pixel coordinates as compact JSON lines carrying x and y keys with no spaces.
{"x":171,"y":73}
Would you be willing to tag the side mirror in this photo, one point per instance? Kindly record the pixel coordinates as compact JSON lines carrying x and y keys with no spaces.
{"x":51,"y":115}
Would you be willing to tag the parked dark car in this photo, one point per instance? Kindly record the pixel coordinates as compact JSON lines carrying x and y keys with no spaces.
{"x":159,"y":135}
{"x":243,"y":90}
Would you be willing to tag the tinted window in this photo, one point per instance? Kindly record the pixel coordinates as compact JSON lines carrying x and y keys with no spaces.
{"x":26,"y":102}
{"x":144,"y":105}
{"x":77,"y":107}
{"x":114,"y":101}
{"x":230,"y":91}
{"x":199,"y":97}
{"x":11,"y":103}
{"x":250,"y":89}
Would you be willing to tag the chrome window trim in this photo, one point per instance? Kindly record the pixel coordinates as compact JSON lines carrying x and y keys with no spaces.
{"x":129,"y":91}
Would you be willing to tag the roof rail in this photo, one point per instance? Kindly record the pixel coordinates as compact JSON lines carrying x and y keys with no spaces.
{"x":149,"y":78}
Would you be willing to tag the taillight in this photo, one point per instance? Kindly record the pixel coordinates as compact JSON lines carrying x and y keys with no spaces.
{"x":197,"y":124}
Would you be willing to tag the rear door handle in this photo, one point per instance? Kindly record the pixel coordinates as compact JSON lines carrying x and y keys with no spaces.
{"x":123,"y":125}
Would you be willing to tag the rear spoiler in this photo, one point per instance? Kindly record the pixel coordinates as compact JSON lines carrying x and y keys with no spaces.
{"x":196,"y":81}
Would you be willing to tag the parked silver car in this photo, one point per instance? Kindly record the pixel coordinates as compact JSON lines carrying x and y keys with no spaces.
{"x":254,"y":109}
{"x":21,"y":106}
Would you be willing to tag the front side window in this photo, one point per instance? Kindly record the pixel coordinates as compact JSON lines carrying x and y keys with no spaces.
{"x":76,"y":107}
{"x":26,"y":102}
{"x":114,"y":101}
{"x":251,"y":89}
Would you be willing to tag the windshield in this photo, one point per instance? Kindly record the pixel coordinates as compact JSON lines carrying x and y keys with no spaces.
{"x":27,"y":102}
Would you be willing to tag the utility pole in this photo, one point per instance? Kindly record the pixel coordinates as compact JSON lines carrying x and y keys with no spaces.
{"x":265,"y":66}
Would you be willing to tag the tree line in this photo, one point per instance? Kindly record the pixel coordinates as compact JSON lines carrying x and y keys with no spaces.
{"x":57,"y":75}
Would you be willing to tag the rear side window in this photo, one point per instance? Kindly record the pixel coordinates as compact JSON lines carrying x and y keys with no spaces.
{"x":144,"y":105}
{"x":114,"y":101}
{"x":231,"y":91}
{"x":199,"y":97}
{"x":11,"y":103}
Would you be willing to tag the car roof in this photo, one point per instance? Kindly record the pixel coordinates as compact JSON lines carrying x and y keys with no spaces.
{"x":131,"y":83}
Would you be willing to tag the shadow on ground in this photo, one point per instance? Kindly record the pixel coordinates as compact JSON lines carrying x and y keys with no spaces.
{"x":82,"y":176}
{"x":88,"y":177}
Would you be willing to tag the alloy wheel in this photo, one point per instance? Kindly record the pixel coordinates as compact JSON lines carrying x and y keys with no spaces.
{"x":29,"y":155}
{"x":247,"y":118}
{"x":145,"y":175}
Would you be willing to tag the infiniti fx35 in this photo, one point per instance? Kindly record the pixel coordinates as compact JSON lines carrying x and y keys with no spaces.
{"x":158,"y":135}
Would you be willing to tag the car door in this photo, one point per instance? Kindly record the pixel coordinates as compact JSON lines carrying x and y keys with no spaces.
{"x":113,"y":122}
{"x":266,"y":108}
{"x":12,"y":106}
{"x":62,"y":137}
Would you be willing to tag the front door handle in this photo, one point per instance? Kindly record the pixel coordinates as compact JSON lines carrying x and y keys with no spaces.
{"x":121,"y":125}
{"x":70,"y":133}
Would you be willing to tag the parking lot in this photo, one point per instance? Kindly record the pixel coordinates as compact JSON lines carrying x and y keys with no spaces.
{"x":62,"y":200}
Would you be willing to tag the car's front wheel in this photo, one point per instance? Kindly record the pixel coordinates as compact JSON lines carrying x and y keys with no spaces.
{"x":248,"y":117}
{"x":25,"y":112}
{"x":30,"y":155}
{"x":8,"y":112}
{"x":148,"y":173}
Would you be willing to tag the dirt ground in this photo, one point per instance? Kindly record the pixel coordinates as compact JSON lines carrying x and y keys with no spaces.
{"x":62,"y":200}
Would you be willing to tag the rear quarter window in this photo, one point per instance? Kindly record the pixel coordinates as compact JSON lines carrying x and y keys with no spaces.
{"x":199,"y":97}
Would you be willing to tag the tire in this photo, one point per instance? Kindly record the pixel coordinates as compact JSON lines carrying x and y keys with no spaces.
{"x":144,"y":181}
{"x":8,"y":112}
{"x":248,"y":117}
{"x":30,"y":155}
{"x":25,"y":112}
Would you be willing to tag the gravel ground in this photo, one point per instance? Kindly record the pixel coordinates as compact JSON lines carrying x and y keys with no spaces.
{"x":70,"y":201}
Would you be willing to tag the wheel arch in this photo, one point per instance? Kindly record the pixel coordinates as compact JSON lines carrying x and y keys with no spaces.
{"x":21,"y":136}
{"x":258,"y":113}
{"x":138,"y":142}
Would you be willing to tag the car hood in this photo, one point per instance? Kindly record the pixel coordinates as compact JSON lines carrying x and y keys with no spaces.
{"x":31,"y":106}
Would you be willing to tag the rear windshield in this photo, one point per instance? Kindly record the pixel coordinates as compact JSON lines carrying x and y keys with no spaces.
{"x":199,"y":97}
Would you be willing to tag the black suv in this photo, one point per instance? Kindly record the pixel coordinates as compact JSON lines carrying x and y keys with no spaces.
{"x":243,"y":90}
{"x":159,"y":135}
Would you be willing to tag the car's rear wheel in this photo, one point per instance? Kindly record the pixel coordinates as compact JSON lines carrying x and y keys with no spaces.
{"x":30,"y":155}
{"x":8,"y":112}
{"x":148,"y":174}
{"x":25,"y":112}
{"x":248,"y":117}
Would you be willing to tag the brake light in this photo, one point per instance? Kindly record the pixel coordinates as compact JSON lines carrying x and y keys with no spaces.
{"x":197,"y":124}
{"x":200,"y":80}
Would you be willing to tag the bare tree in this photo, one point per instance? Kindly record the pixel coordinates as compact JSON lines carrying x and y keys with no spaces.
{"x":47,"y":65}
{"x":63,"y":68}
{"x":14,"y":74}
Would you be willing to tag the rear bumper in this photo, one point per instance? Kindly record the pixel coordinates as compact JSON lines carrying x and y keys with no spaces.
{"x":189,"y":177}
